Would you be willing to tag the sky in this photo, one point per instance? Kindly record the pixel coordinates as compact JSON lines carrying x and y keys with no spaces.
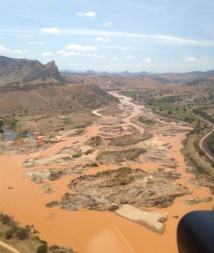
{"x":133,"y":35}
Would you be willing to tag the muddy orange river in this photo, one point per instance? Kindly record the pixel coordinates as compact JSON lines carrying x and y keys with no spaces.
{"x":91,"y":231}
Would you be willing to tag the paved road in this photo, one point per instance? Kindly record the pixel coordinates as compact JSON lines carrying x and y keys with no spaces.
{"x":203,"y":141}
{"x":10,"y":248}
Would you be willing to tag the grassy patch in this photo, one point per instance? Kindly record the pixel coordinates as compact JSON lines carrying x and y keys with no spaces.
{"x":131,"y":94}
{"x":22,"y":134}
{"x":177,"y":112}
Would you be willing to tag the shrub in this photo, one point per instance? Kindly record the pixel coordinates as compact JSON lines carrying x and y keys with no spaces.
{"x":89,"y":151}
{"x":125,"y":170}
{"x":201,"y":153}
{"x":77,"y":155}
{"x":54,"y":247}
{"x":5,"y":219}
{"x":9,"y":233}
{"x":21,"y":233}
{"x":22,"y":134}
{"x":42,"y":249}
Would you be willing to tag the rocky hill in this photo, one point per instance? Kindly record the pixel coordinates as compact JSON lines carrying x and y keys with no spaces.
{"x":17,"y":71}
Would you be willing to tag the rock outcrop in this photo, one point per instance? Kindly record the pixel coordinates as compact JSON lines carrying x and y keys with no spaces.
{"x":14,"y":71}
{"x":149,"y":219}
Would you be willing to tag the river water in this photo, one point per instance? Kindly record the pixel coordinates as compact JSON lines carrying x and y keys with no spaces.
{"x":91,"y":231}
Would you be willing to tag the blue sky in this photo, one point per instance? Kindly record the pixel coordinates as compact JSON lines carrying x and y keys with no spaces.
{"x":133,"y":35}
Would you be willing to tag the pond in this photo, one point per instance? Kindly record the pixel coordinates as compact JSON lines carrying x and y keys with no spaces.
{"x":10,"y":135}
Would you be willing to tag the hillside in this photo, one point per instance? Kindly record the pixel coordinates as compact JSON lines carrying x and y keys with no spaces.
{"x":18,"y":71}
{"x":73,"y":97}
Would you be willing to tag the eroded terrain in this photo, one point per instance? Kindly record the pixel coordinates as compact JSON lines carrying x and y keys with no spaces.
{"x":130,"y":156}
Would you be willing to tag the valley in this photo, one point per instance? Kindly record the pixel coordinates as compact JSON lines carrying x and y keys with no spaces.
{"x":69,"y":184}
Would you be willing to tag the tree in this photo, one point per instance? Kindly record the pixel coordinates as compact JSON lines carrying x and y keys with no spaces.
{"x":21,"y":233}
{"x":42,"y":249}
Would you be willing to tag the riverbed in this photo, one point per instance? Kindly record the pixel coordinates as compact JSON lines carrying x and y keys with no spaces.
{"x":92,"y":231}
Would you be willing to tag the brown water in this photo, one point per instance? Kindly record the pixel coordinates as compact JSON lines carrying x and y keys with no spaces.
{"x":91,"y":231}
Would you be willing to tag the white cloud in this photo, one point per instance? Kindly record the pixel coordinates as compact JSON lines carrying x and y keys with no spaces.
{"x":124,"y":48}
{"x":97,"y":56}
{"x":172,"y":61}
{"x":108,"y":24}
{"x":114,"y":59}
{"x":189,"y":58}
{"x":3,"y":49}
{"x":74,"y":47}
{"x":64,"y":53}
{"x":25,"y":51}
{"x":25,"y":35}
{"x":87,"y":14}
{"x":39,"y":43}
{"x":47,"y":54}
{"x":129,"y":57}
{"x":146,"y":60}
{"x":53,"y":30}
{"x":17,"y":52}
{"x":101,"y":39}
{"x":165,"y":39}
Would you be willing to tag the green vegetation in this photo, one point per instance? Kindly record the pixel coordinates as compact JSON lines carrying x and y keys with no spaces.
{"x":203,"y":114}
{"x":94,"y":141}
{"x":9,"y":234}
{"x":1,"y":124}
{"x":13,"y":124}
{"x":171,"y":99}
{"x":131,"y":94}
{"x":22,"y":134}
{"x":174,"y":111}
{"x":125,"y":170}
{"x":146,"y":121}
{"x":89,"y":151}
{"x":21,"y":233}
{"x":42,"y":249}
{"x":91,"y":165}
{"x":210,"y":143}
{"x":77,"y":155}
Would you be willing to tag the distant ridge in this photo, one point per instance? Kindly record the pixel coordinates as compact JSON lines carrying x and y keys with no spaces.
{"x":90,"y":72}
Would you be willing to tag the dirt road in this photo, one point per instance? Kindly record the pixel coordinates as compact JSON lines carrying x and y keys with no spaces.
{"x":8,"y":247}
{"x":203,"y":141}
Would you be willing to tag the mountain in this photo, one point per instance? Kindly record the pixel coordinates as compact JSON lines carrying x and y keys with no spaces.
{"x":90,"y":72}
{"x":15,"y":71}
